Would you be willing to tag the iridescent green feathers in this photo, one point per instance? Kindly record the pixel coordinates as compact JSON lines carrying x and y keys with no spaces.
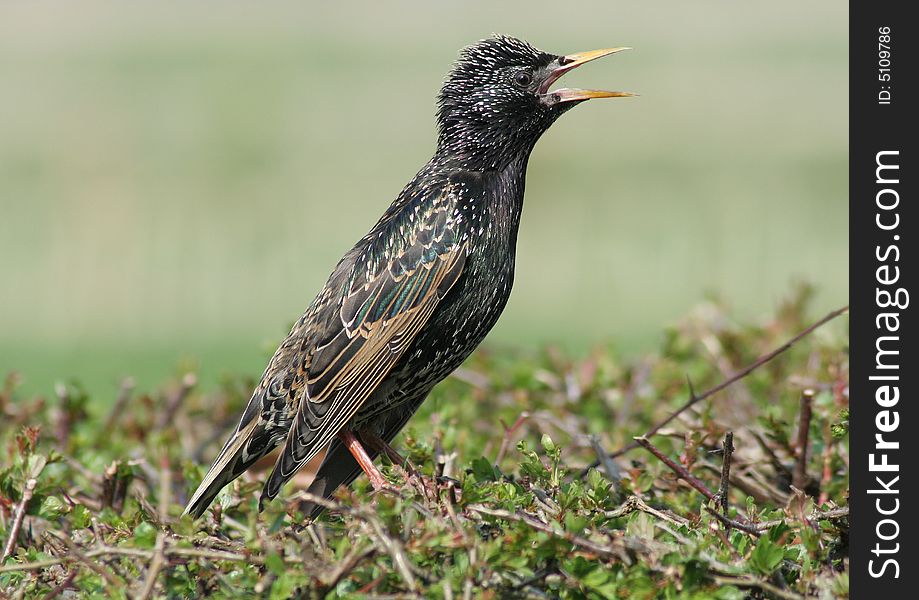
{"x":372,"y":307}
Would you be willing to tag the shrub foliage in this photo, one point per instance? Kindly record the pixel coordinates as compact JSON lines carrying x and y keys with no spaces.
{"x":494,"y":500}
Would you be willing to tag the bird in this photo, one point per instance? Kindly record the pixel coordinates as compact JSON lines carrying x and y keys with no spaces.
{"x":415,"y":296}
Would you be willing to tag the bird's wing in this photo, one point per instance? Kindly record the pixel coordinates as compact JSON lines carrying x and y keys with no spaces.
{"x":263,"y":424}
{"x":407,"y":267}
{"x":339,"y":468}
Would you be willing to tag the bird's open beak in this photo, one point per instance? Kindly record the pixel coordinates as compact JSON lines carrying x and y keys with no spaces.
{"x":568,"y":63}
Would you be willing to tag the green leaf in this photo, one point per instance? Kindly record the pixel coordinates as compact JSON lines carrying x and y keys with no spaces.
{"x":52,"y":507}
{"x":484,"y":470}
{"x":80,"y":517}
{"x":275,"y":563}
{"x":766,"y":556}
{"x":729,"y":592}
{"x":145,"y":535}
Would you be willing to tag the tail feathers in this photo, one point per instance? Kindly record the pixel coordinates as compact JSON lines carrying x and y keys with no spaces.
{"x":283,"y":470}
{"x":229,"y":465}
{"x":338,"y":468}
{"x":205,"y":494}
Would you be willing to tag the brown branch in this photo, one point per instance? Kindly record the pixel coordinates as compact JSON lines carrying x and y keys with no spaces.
{"x":799,"y":478}
{"x":608,"y":551}
{"x":827,"y":474}
{"x":694,"y":398}
{"x":20,"y":514}
{"x":156,"y":564}
{"x":159,"y":556}
{"x":56,"y":590}
{"x":508,"y":433}
{"x":729,"y":522}
{"x":115,"y":482}
{"x":774,"y":460}
{"x":758,"y":528}
{"x":395,"y":550}
{"x":750,"y":581}
{"x":103,"y":551}
{"x":77,"y":553}
{"x":176,"y":400}
{"x":124,"y":394}
{"x":33,"y":566}
{"x":612,"y":471}
{"x":727,"y":452}
{"x":346,"y":565}
{"x":635,"y":503}
{"x":681,"y":471}
{"x":830,"y":515}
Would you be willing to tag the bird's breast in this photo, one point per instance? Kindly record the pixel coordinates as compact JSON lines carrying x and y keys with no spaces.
{"x":468,"y":313}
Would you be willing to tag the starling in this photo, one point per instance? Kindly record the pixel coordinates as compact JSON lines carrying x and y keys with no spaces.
{"x":415,"y":296}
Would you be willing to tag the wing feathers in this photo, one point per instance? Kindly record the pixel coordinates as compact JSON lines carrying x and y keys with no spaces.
{"x":346,"y":386}
{"x":379,"y":297}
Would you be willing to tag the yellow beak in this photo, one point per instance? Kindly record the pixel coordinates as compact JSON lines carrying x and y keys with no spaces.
{"x":572,"y":61}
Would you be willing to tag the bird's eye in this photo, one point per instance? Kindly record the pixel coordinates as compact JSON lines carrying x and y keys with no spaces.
{"x":523,"y":79}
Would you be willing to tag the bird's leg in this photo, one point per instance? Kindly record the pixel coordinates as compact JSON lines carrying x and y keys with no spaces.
{"x":357,"y":450}
{"x":377,"y":443}
{"x":411,"y":474}
{"x":428,"y":487}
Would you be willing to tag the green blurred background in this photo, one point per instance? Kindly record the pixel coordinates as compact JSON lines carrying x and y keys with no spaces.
{"x":177,"y":179}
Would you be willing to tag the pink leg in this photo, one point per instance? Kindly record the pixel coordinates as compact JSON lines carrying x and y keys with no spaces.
{"x":357,"y":450}
{"x":377,"y":443}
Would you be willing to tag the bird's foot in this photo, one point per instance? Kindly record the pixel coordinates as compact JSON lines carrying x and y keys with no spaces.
{"x":430,"y":488}
{"x":378,"y":482}
{"x":433,"y":488}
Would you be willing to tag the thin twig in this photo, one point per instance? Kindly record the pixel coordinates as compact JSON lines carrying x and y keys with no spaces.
{"x":20,"y":514}
{"x":159,"y":556}
{"x":751,"y":581}
{"x":680,"y":470}
{"x":115,"y":482}
{"x":140,"y":553}
{"x":727,"y":452}
{"x":609,"y":551}
{"x":829,"y":515}
{"x":635,"y":503}
{"x":175,"y":401}
{"x":612,"y":471}
{"x":799,"y":479}
{"x":124,"y":394}
{"x":729,"y":522}
{"x":473,"y":378}
{"x":386,"y":542}
{"x":508,"y":433}
{"x":156,"y":564}
{"x":396,"y":552}
{"x":56,"y":590}
{"x":694,"y":398}
{"x":827,"y":474}
{"x":351,"y":560}
{"x":21,"y":508}
{"x":84,"y":557}
{"x":64,"y":415}
{"x":780,"y":468}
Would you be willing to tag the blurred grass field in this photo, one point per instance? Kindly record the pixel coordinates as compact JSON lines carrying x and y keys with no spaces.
{"x":177,"y":180}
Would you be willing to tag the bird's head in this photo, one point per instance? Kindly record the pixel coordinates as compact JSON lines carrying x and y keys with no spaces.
{"x":498,"y":99}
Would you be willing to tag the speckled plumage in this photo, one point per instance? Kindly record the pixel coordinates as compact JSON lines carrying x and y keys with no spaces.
{"x":417,"y":294}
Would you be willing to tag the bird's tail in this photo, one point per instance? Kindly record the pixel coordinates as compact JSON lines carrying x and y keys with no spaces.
{"x":338,"y":468}
{"x":232,"y":461}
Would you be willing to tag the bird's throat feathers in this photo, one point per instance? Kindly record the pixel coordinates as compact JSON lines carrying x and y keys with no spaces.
{"x":484,"y":121}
